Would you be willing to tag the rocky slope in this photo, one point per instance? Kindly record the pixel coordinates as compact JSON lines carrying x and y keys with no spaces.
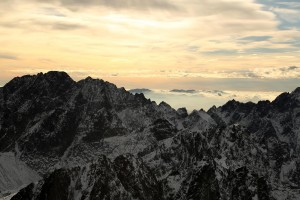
{"x":92,"y":140}
{"x":125,"y":178}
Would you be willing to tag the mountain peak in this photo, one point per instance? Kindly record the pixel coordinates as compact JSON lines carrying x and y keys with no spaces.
{"x":56,"y":75}
{"x":51,"y":85}
{"x":296,"y":91}
{"x":53,"y":77}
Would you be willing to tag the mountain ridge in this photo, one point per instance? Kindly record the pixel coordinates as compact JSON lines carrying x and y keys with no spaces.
{"x":235,"y":151}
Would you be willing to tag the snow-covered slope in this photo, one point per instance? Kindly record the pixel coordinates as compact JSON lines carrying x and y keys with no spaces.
{"x":14,"y":173}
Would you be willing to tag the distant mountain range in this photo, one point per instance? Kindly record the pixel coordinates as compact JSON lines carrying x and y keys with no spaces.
{"x":62,"y":140}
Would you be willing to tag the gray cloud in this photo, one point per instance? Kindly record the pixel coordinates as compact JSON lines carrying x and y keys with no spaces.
{"x":286,"y":69}
{"x":256,"y":38}
{"x":120,"y":4}
{"x":29,"y":24}
{"x":183,"y":91}
{"x":142,"y":90}
{"x":263,"y":73}
{"x":275,"y":73}
{"x":220,"y":52}
{"x":255,"y":73}
{"x":269,"y":50}
{"x":219,"y":92}
{"x":233,"y":9}
{"x":192,"y":48}
{"x":52,"y":12}
{"x":246,"y":73}
{"x":8,"y":56}
{"x":66,"y":26}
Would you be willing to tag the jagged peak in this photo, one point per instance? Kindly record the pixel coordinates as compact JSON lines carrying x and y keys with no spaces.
{"x":281,"y":99}
{"x":17,"y":80}
{"x":264,"y":102}
{"x":50,"y":76}
{"x":164,"y":104}
{"x":56,"y":77}
{"x":52,"y":80}
{"x":296,"y":91}
{"x":196,"y":112}
{"x":97,"y":81}
{"x":233,"y":101}
{"x":91,"y":80}
{"x":182,"y":112}
{"x":212,"y":109}
{"x":140,"y":97}
{"x":230,"y":104}
{"x":122,"y":89}
{"x":56,"y":74}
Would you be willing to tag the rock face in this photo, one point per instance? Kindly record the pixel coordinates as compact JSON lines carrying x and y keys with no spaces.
{"x":125,"y":178}
{"x":92,"y":140}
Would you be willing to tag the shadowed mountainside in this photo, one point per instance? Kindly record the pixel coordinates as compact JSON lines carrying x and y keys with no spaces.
{"x":107,"y":143}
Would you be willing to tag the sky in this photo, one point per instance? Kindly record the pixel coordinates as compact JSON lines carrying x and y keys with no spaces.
{"x":229,"y":45}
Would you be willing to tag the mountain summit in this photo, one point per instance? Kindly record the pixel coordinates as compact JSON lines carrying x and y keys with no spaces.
{"x":92,"y":140}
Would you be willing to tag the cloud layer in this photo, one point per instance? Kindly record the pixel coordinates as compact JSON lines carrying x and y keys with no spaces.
{"x":205,"y":99}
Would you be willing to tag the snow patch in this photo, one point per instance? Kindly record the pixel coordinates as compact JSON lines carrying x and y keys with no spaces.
{"x":14,"y":173}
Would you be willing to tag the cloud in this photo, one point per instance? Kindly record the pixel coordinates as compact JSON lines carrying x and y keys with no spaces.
{"x":41,"y":19}
{"x":295,"y":42}
{"x":267,"y":73}
{"x":8,"y":56}
{"x":235,"y":9}
{"x":220,"y":52}
{"x":119,"y":4}
{"x":274,"y":73}
{"x":291,"y":68}
{"x":65,"y":26}
{"x":183,"y":91}
{"x":287,"y":12}
{"x":290,"y":4}
{"x":51,"y":11}
{"x":143,"y":90}
{"x":268,"y":50}
{"x":256,"y":38}
{"x":278,"y":73}
{"x":192,"y":48}
{"x":289,"y":17}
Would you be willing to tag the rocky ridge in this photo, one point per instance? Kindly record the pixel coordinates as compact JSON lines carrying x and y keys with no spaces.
{"x":111,"y":144}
